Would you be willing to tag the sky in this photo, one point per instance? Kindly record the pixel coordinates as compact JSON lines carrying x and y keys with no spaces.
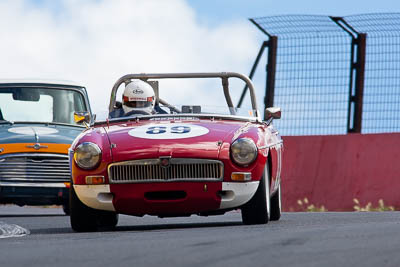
{"x":94,"y":42}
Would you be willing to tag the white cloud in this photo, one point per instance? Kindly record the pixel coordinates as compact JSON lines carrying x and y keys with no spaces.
{"x":96,"y":42}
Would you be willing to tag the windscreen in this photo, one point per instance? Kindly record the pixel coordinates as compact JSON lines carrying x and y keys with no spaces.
{"x":36,"y":104}
{"x":186,"y":97}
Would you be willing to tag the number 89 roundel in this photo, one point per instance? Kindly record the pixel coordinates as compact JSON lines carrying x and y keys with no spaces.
{"x":175,"y":131}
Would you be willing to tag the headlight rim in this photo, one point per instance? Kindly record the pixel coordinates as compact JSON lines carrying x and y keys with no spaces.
{"x":98,"y":150}
{"x":255,"y":152}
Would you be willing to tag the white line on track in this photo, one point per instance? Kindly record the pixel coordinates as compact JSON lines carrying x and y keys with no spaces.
{"x":12,"y":230}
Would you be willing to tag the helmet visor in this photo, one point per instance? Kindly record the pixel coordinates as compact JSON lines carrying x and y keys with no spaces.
{"x":138,"y":103}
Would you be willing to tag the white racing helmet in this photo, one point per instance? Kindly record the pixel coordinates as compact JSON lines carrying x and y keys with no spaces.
{"x":138,"y":96}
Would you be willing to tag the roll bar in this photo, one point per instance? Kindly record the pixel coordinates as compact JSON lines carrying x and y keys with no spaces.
{"x":223,"y":75}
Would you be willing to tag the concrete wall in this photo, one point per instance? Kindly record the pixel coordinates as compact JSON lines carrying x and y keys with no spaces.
{"x":333,"y":170}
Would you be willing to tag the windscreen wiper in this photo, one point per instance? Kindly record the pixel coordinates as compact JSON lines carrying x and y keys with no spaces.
{"x":6,"y":122}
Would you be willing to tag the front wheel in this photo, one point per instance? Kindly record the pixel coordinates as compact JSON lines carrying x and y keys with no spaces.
{"x":276,"y":206}
{"x":257,"y":210}
{"x":86,"y":219}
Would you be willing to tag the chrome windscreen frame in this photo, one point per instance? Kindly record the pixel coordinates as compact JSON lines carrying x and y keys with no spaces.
{"x":224,"y":76}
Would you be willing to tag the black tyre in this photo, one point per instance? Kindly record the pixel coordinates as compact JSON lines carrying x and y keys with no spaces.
{"x":276,"y":205}
{"x":107,"y":219}
{"x":65,"y":208}
{"x":85,"y":219}
{"x":257,"y":210}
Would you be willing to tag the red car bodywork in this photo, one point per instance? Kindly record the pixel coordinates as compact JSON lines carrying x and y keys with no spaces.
{"x":177,"y":163}
{"x":117,"y":146}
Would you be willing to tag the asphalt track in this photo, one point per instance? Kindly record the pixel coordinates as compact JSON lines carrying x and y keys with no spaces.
{"x":298,"y":239}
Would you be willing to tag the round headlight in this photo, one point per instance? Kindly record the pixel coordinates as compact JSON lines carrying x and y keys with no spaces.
{"x":87,"y":155}
{"x":243,"y":151}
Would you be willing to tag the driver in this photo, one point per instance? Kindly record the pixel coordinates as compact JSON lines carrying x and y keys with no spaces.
{"x":138,"y":98}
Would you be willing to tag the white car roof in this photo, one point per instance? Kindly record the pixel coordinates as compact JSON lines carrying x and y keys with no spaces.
{"x":40,"y":81}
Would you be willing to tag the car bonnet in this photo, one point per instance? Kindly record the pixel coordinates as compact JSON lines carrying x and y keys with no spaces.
{"x":21,"y":138}
{"x":179,"y":139}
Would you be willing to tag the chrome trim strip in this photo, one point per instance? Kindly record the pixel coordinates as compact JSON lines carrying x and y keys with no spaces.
{"x":36,"y":146}
{"x":269,"y":146}
{"x":47,"y":123}
{"x":16,"y":155}
{"x":46,"y":83}
{"x":172,"y":161}
{"x":179,"y":117}
{"x":52,"y":185}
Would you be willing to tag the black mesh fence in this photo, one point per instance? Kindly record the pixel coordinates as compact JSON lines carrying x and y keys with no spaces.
{"x":381,"y":100}
{"x":315,"y":80}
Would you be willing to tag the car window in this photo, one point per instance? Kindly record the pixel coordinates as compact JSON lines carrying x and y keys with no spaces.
{"x":40,"y":104}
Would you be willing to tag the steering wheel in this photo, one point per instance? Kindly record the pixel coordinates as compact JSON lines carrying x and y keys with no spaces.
{"x":136,"y":112}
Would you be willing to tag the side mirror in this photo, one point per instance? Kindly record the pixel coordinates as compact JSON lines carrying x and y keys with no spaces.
{"x":82,"y":117}
{"x":272,"y":112}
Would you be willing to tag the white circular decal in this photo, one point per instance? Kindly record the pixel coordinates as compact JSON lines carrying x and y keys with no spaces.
{"x":33,"y":130}
{"x":168,"y":131}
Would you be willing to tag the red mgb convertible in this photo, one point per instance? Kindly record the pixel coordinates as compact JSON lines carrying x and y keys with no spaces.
{"x":149,"y":157}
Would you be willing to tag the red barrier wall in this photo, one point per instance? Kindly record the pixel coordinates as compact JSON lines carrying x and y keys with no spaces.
{"x":333,"y":170}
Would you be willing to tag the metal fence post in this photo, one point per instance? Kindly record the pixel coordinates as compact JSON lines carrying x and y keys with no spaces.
{"x":356,"y":92}
{"x":357,"y":98}
{"x":272,"y":45}
{"x":253,"y":69}
{"x":271,"y":71}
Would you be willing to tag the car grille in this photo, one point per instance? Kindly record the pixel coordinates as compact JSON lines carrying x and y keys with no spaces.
{"x":34,"y":168}
{"x":178,"y":169}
